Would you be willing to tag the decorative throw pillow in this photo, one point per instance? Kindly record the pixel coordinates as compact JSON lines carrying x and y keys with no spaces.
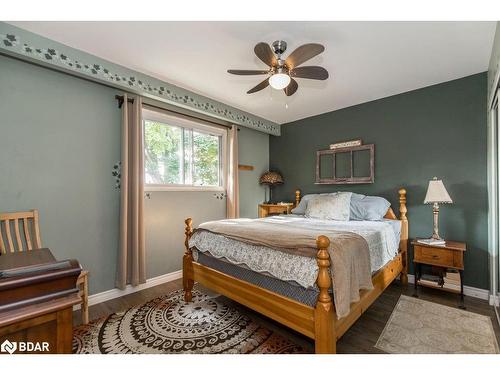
{"x":330,"y":207}
{"x":368,"y":208}
{"x":301,"y":208}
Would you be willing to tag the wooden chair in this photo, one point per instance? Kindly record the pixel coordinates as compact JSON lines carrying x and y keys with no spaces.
{"x":19,"y":231}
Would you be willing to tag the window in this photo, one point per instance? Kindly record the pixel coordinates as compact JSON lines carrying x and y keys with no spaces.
{"x":182,"y":154}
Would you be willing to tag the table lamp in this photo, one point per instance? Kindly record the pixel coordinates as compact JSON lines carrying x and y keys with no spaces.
{"x":271,"y":179}
{"x":436,"y":193}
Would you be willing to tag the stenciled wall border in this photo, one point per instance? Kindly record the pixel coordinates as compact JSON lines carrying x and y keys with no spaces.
{"x":37,"y":49}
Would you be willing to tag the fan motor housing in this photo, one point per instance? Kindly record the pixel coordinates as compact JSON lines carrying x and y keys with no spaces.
{"x":279,"y":47}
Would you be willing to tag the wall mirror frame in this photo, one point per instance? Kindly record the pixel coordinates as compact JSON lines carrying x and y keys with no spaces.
{"x":328,"y":171}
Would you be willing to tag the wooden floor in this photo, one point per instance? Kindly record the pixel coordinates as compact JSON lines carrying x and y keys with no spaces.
{"x":360,"y":338}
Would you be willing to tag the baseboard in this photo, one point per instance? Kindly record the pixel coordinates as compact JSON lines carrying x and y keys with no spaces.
{"x":468,"y":291}
{"x":154,"y":281}
{"x":115,"y":293}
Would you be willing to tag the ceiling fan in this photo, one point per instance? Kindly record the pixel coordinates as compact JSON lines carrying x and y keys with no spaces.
{"x":282,"y":72}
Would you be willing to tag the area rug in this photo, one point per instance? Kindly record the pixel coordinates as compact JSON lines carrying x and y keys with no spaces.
{"x":169,"y":325}
{"x":418,"y":326}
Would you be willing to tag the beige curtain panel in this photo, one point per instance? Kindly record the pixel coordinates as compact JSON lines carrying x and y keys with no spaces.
{"x":233,"y":196}
{"x":131,"y":268}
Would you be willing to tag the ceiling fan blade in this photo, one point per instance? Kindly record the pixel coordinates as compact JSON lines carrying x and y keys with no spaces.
{"x":302,"y":54}
{"x":310,"y":72}
{"x":259,"y":87}
{"x":291,"y":88}
{"x":265,"y":54}
{"x":241,"y":72}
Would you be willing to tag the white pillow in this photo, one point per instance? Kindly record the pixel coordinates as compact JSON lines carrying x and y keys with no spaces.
{"x":301,"y":208}
{"x":330,"y":207}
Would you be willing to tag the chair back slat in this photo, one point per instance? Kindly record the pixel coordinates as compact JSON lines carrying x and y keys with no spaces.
{"x":36,"y":229}
{"x":9,"y":236}
{"x":19,"y":244}
{"x":27,"y":234}
{"x":10,"y":231}
{"x":2,"y":244}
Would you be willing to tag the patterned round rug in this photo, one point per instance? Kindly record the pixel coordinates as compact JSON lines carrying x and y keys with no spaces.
{"x":169,"y":325}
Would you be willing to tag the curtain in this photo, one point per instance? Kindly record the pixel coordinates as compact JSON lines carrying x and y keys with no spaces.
{"x":233,"y":195}
{"x":131,"y":267}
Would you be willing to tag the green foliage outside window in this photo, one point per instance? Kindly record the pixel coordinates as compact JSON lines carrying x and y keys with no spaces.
{"x":206,"y":159}
{"x":175,"y":155}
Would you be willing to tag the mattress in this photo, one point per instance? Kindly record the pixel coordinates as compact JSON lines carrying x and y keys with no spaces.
{"x":292,"y":290}
{"x":382,"y":238}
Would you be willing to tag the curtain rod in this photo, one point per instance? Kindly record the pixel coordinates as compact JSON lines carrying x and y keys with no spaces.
{"x":120,"y":99}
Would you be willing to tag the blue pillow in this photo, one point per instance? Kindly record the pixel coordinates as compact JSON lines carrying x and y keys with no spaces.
{"x":368,"y":207}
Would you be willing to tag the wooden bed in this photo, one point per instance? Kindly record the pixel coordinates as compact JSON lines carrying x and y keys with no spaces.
{"x":320,"y":322}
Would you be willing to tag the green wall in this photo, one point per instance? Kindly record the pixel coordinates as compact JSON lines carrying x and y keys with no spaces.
{"x":254,"y":151}
{"x":59,"y":139}
{"x":435,"y":131}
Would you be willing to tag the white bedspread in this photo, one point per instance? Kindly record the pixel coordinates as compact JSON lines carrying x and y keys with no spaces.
{"x":382,"y":238}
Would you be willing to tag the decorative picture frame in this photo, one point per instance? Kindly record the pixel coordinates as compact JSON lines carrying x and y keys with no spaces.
{"x":335,"y":178}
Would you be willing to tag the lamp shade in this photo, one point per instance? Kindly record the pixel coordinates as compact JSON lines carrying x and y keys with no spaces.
{"x":271,"y":178}
{"x":436,"y":192}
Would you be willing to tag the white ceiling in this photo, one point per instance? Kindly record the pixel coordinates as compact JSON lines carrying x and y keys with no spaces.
{"x":366,"y":60}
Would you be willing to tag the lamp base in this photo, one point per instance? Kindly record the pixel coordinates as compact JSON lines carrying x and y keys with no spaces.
{"x":435,"y":227}
{"x":436,"y":237}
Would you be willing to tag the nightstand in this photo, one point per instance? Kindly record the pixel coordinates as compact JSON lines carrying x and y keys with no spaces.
{"x":266,"y":209}
{"x":449,"y":256}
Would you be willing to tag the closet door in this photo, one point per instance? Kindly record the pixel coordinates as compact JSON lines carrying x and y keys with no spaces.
{"x":494,"y":184}
{"x":496,"y":267}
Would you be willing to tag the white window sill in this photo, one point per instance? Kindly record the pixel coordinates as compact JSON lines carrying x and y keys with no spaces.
{"x":184,"y":188}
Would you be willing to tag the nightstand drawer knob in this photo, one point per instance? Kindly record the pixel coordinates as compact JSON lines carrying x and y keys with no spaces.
{"x":435,"y":256}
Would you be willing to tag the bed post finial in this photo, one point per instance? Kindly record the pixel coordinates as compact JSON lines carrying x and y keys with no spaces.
{"x":297,"y":197}
{"x":187,"y":262}
{"x":402,"y":204}
{"x":325,"y":337}
{"x":403,"y":243}
{"x":323,"y":258}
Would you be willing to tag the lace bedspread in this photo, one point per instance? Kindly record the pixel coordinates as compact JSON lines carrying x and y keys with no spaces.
{"x":382,"y":238}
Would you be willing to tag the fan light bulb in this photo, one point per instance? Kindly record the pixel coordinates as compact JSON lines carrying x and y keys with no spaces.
{"x":279,"y":81}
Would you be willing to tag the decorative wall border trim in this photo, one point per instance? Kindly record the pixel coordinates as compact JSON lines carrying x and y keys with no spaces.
{"x":46,"y":52}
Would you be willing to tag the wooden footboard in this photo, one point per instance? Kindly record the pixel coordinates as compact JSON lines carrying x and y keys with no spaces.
{"x":319,"y":323}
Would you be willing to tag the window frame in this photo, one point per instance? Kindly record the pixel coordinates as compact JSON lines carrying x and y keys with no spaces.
{"x":191,"y":124}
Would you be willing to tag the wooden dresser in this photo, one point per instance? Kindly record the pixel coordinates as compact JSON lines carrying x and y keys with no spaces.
{"x":37,"y":294}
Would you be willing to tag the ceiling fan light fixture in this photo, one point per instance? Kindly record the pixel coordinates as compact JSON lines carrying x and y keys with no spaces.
{"x":279,"y":81}
{"x":283,"y":72}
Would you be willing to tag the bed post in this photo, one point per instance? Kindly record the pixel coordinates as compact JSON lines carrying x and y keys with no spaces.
{"x":187,"y":263}
{"x":324,"y":327}
{"x":297,"y":197}
{"x":403,"y":243}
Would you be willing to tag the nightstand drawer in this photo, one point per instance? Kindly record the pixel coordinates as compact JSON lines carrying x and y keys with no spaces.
{"x":278,"y":210}
{"x":274,"y":209}
{"x":434,"y":256}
